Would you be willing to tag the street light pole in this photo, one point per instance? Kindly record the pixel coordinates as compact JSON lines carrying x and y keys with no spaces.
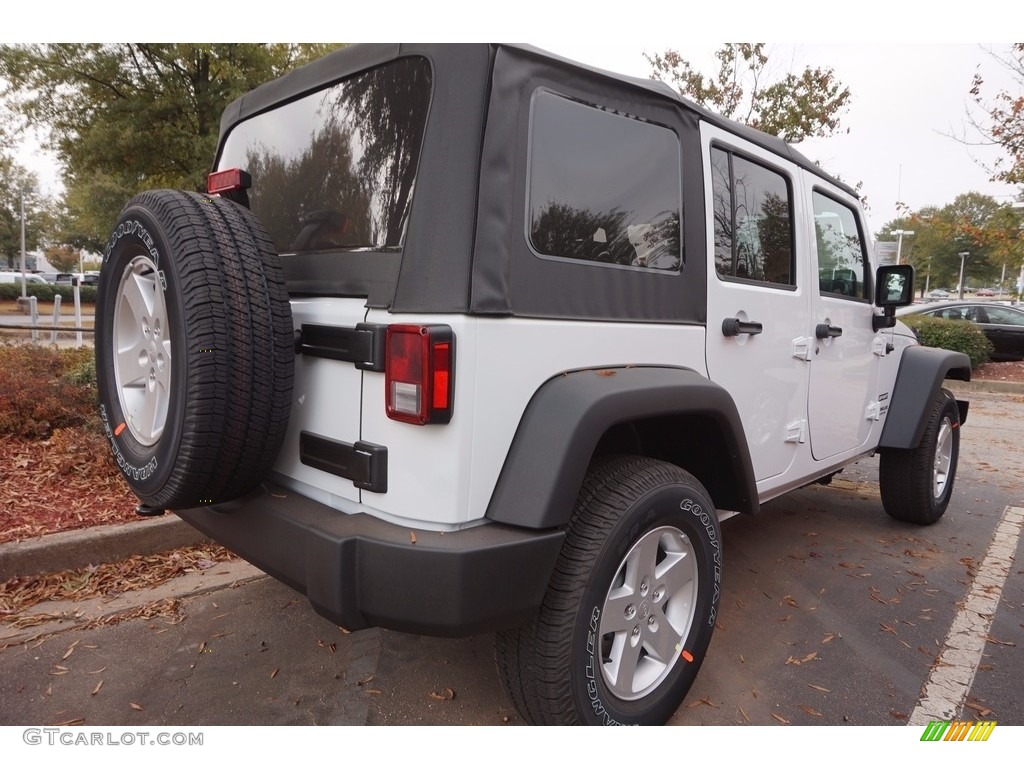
{"x":963,"y":258}
{"x":24,"y":292}
{"x":899,"y":240}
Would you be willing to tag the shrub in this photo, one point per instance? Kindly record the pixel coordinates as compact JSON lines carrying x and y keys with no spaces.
{"x":957,"y":335}
{"x":12,"y":292}
{"x":42,"y":389}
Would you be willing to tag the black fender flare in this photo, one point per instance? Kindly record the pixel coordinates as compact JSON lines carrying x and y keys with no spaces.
{"x":920,"y":376}
{"x":567,"y":417}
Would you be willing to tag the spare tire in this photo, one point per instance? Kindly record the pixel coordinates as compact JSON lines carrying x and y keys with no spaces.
{"x":195,"y":351}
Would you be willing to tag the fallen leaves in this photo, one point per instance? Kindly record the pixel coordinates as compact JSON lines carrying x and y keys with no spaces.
{"x":978,"y":707}
{"x":797,"y":662}
{"x":810,"y":711}
{"x":67,"y":482}
{"x":819,"y":688}
{"x":706,"y":702}
{"x":994,"y":641}
{"x":97,"y":688}
{"x":446,"y":694}
{"x":136,"y":707}
{"x":780,"y":718}
{"x":108,"y":580}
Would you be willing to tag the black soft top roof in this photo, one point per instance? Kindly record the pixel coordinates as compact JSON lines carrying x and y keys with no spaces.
{"x":355,"y":58}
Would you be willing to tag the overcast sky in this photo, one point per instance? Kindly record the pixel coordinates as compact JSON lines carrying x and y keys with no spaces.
{"x":907,"y":103}
{"x":908,"y":96}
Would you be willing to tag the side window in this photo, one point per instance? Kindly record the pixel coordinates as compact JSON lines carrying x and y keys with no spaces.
{"x":753,"y":221}
{"x":603,"y":188}
{"x":1003,"y":316}
{"x":842,"y":257}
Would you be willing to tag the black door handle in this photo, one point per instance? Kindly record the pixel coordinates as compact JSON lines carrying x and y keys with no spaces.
{"x":733,"y":326}
{"x":826,"y":331}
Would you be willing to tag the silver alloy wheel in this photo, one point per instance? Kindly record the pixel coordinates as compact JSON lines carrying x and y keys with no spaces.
{"x":142,"y":350}
{"x":943,"y":458}
{"x":648,"y":612}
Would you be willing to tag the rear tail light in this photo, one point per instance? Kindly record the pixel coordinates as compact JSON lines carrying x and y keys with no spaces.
{"x":419,"y":373}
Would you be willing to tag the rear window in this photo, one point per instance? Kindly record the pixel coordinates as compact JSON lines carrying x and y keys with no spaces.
{"x":604,"y":188}
{"x":336,"y":169}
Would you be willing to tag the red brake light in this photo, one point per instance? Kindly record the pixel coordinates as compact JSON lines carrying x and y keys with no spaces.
{"x":230,"y":180}
{"x":419,"y":373}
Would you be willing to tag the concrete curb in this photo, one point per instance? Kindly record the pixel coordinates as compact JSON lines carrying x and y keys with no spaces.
{"x":100,"y":544}
{"x":979,"y":385}
{"x":56,"y":616}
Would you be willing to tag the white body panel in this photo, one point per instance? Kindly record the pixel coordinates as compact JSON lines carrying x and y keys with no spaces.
{"x":325,"y":398}
{"x":763,"y":372}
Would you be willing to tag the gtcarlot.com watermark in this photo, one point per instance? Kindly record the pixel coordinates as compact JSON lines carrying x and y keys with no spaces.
{"x":79,"y":738}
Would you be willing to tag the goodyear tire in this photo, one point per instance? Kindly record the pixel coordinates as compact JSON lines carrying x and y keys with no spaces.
{"x":194,"y":349}
{"x":631,"y":606}
{"x":916,"y":484}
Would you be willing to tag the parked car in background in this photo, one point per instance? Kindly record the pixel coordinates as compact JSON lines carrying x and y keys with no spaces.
{"x":985,"y":292}
{"x":88,"y":278}
{"x":15,"y":277}
{"x":939,"y":293}
{"x":1002,"y":324}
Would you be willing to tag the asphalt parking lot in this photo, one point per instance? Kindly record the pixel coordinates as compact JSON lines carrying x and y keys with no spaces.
{"x":832,"y":613}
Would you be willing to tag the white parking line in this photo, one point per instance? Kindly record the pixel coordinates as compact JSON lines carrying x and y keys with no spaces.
{"x":951,"y":677}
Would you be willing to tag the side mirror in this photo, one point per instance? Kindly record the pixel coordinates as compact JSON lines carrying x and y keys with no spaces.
{"x":894,"y":287}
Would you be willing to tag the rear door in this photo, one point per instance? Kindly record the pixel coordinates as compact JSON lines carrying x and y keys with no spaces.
{"x":757,"y":344}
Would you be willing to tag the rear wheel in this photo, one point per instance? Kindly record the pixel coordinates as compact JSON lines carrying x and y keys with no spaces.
{"x":631,"y":607}
{"x":194,"y":349}
{"x":917,"y":483}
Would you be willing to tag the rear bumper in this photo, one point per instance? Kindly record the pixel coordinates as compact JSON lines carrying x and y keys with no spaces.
{"x":359,"y":571}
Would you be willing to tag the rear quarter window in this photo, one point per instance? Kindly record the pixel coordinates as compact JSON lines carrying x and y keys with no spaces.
{"x":604,"y":188}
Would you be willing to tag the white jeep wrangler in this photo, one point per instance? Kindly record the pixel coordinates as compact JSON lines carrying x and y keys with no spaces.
{"x":472,"y":338}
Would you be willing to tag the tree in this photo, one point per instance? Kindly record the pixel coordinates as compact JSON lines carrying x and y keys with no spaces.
{"x":64,"y":258}
{"x":15,"y":181}
{"x":795,"y":107}
{"x":1003,"y":121}
{"x":132,"y":116}
{"x":974,"y":223}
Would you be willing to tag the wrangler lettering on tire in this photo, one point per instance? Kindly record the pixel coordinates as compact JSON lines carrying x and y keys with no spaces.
{"x":194,"y":349}
{"x":631,"y":606}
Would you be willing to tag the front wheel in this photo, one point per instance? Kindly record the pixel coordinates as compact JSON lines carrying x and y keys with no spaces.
{"x":917,"y":483}
{"x":631,"y":606}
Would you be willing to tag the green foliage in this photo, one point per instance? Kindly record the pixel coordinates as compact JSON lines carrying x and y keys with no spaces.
{"x":14,"y":180}
{"x":955,"y":335}
{"x":795,"y":107}
{"x":973,"y":223}
{"x":12,"y":292}
{"x":132,"y":116}
{"x":44,"y":389}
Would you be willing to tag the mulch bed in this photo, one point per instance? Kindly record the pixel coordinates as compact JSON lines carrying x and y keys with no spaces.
{"x":67,"y":482}
{"x":999,"y":372}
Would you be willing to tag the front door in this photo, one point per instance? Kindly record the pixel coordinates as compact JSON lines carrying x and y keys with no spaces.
{"x":844,"y":374}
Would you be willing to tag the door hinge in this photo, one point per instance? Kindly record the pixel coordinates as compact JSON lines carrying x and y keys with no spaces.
{"x":874,"y":411}
{"x":802,"y":348}
{"x":796,"y":431}
{"x":880,"y":346}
